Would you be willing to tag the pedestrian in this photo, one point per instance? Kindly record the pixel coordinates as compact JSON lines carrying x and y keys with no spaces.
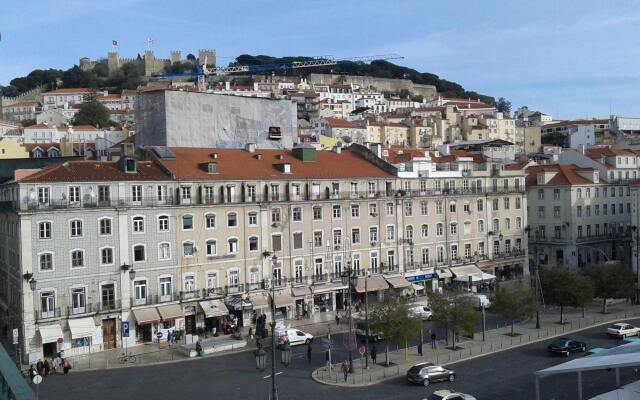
{"x":32,"y":372}
{"x":250,"y":333}
{"x":198,"y":348}
{"x":309,"y":352}
{"x":169,"y":337}
{"x":345,"y":369}
{"x":433,"y":340}
{"x":420,"y":349}
{"x":374,"y":354}
{"x":337,"y":318}
{"x":66,"y":366}
{"x":47,"y":367}
{"x":306,"y":310}
{"x":40,"y":367}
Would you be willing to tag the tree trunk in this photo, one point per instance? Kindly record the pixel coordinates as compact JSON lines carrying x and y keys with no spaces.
{"x":453,"y":340}
{"x":561,"y":314}
{"x":512,"y":326}
{"x":386,"y":354}
{"x":604,"y":306}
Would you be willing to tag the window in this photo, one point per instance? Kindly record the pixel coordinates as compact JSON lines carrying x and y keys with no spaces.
{"x":317,"y":239}
{"x":138,"y":224}
{"x":212,"y":248}
{"x":466,"y":208}
{"x":506,"y":203}
{"x":297,"y":240}
{"x":556,"y":194}
{"x":391,"y":232}
{"x":140,"y":291}
{"x":408,"y":209}
{"x":480,"y":226}
{"x":507,"y":224}
{"x":354,"y":189}
{"x":210,"y":221}
{"x":373,"y":210}
{"x":373,"y":233}
{"x":452,"y":207}
{"x":74,"y":194}
{"x":596,"y":210}
{"x":336,"y":212}
{"x":439,"y":229}
{"x":425,"y":256}
{"x":355,"y":211}
{"x":424,"y":208}
{"x":480,"y":205}
{"x":297,"y":214}
{"x":46,"y":262}
{"x":188,"y":249}
{"x":106,"y":256}
{"x":108,"y":293}
{"x":232,"y":246}
{"x":187,"y":222}
{"x":77,"y":258}
{"x":212,"y":280}
{"x":164,"y":251}
{"x":165,"y":288}
{"x":136,"y":193}
{"x":371,"y":190}
{"x":496,"y":225}
{"x":541,"y":212}
{"x":518,"y":223}
{"x":232,"y":220}
{"x":276,"y":242}
{"x":275,"y":216}
{"x":251,"y":193}
{"x":337,"y":237}
{"x":78,"y":300}
{"x":317,"y":213}
{"x":163,"y":223}
{"x":389,"y":208}
{"x":355,"y":235}
{"x":76,"y":228}
{"x":43,"y":195}
{"x":440,"y":254}
{"x":139,"y":253}
{"x":253,"y":219}
{"x":481,"y":248}
{"x":587,"y":211}
{"x":161,"y":193}
{"x":185,"y":194}
{"x":190,"y":283}
{"x":518,"y":203}
{"x":105,"y":226}
{"x":44,"y":230}
{"x":295,"y":192}
{"x":579,"y":211}
{"x":540,"y":194}
{"x":275,"y":193}
{"x":424,"y":230}
{"x":453,"y":228}
{"x":495,"y":205}
{"x":408,"y":232}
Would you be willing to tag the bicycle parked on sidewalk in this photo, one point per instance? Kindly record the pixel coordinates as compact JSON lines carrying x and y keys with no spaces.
{"x":127,"y":358}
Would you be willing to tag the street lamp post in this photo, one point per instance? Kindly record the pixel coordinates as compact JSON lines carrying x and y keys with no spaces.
{"x":350,"y":279}
{"x":285,"y":349}
{"x":366,"y":318}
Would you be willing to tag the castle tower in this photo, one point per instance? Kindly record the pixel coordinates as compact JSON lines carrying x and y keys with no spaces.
{"x":209,"y":54}
{"x":174,"y":56}
{"x":113,"y":62}
{"x":149,"y":63}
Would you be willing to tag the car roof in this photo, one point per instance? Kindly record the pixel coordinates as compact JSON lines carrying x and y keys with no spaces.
{"x":424,"y":364}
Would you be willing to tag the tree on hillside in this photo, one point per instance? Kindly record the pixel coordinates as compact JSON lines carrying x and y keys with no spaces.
{"x":77,"y":78}
{"x":28,"y":122}
{"x":454,"y":313}
{"x":612,"y":282}
{"x":565,"y":288}
{"x":92,"y":113}
{"x":504,"y":106}
{"x":554,"y":139}
{"x":514,"y":304}
{"x":392,"y":320}
{"x":191,"y":57}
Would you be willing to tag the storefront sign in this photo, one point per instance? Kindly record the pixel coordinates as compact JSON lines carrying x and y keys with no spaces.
{"x":420,"y":278}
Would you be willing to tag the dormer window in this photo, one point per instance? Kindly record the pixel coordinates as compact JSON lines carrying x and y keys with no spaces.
{"x":540,"y":179}
{"x":212,"y":168}
{"x":130,"y":166}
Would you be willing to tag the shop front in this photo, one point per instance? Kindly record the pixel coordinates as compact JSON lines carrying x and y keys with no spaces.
{"x":50,"y":337}
{"x":284,"y":303}
{"x":372,"y":284}
{"x":83,"y":336}
{"x":422,"y":281}
{"x":445,"y":277}
{"x":401,"y":286}
{"x":171,"y":316}
{"x":214,"y":313}
{"x":302,"y":297}
{"x":240,"y":312}
{"x":324,"y":297}
{"x":472,"y":277}
{"x":146,"y":320}
{"x":260,"y":302}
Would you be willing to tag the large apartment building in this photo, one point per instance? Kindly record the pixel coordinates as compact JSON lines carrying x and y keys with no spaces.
{"x":180,"y":238}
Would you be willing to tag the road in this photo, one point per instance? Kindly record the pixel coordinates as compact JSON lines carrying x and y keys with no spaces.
{"x":504,"y":375}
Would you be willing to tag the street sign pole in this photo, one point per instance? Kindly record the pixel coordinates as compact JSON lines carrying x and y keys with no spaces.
{"x":329,"y":337}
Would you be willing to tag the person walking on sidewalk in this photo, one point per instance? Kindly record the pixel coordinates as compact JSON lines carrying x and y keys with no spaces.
{"x":337,"y":318}
{"x":433,"y":340}
{"x":374,"y":354}
{"x":66,"y":366}
{"x":420,"y":349}
{"x":345,"y":369}
{"x":309,"y":352}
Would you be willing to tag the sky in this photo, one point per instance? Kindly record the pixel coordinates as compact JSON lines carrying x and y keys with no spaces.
{"x":567,"y":58}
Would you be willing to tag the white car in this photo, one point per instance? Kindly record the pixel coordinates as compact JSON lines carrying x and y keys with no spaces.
{"x":622,"y":330}
{"x":449,"y":395}
{"x":295,"y":337}
{"x":422,"y":312}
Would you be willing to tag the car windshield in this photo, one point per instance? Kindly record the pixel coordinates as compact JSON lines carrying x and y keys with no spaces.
{"x":560,"y":343}
{"x":416,"y":369}
{"x":436,"y":397}
{"x":617,"y":326}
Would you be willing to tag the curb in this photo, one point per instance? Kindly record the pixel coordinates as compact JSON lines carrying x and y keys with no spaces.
{"x":342,"y":384}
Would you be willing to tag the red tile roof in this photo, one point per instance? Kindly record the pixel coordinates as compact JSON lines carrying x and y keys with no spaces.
{"x":566,"y":174}
{"x":340,"y":123}
{"x":238,"y":164}
{"x":68,"y":91}
{"x":96,"y":171}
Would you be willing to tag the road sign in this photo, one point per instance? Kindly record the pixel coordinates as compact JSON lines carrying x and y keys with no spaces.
{"x":37,"y":379}
{"x":362,"y":350}
{"x":15,"y":335}
{"x":60,"y":340}
{"x":125,"y":328}
{"x":159,"y":335}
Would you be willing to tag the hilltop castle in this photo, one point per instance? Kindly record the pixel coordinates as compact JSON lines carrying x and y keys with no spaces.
{"x":152,"y":65}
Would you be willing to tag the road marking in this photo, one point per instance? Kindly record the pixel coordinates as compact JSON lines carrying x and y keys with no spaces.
{"x":269,"y":376}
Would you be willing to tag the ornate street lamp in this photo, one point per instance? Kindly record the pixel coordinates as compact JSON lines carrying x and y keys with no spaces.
{"x":32,"y":284}
{"x":132,"y":274}
{"x":285,"y":354}
{"x":261,"y":358}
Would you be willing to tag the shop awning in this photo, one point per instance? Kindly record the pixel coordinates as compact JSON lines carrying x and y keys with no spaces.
{"x":463,"y":273}
{"x":374,"y":283}
{"x":82,"y":327}
{"x":146,"y":315}
{"x":213,"y":308}
{"x":420,"y":276}
{"x":237,"y":303}
{"x":50,"y":333}
{"x":300,"y":291}
{"x":443,"y":273}
{"x":170,"y":312}
{"x":417,"y":286}
{"x":259,"y":300}
{"x":284,"y":299}
{"x":477,"y":278}
{"x":328,"y":287}
{"x":397,"y":282}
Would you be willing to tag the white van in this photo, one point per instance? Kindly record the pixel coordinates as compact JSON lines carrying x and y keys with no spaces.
{"x":295,"y":336}
{"x":478,"y":300}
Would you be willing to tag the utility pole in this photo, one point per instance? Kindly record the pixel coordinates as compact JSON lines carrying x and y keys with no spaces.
{"x":366,"y":319}
{"x":484,"y":323}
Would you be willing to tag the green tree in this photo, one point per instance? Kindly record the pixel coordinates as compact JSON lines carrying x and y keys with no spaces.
{"x":76,"y":78}
{"x":562,"y":287}
{"x":504,"y":106}
{"x":101,"y":69}
{"x":518,"y":303}
{"x":392,"y":320}
{"x":93,"y":113}
{"x":612,"y":282}
{"x":28,"y":122}
{"x":454,"y":313}
{"x":191,"y":57}
{"x":554,"y":139}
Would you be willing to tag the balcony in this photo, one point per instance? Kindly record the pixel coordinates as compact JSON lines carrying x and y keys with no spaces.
{"x":49,"y":314}
{"x":189,"y":295}
{"x":279,"y":282}
{"x":213,"y":292}
{"x":110,"y":306}
{"x":320,"y":278}
{"x":85,"y":309}
{"x":388,"y":269}
{"x":603,"y":238}
{"x":234,"y":289}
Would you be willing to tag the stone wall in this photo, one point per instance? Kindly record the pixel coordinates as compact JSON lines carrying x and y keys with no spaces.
{"x":381,"y":84}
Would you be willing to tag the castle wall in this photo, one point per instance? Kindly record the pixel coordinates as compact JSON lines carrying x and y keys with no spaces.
{"x":381,"y":84}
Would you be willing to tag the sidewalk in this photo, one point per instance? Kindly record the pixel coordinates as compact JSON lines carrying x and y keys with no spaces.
{"x":495,"y":340}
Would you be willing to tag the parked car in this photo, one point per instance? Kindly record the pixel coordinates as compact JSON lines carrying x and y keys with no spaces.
{"x":422,"y":312}
{"x":294,"y":336}
{"x":622,"y":330}
{"x":566,"y":346}
{"x":449,"y":395}
{"x":478,"y":300}
{"x":427,"y":373}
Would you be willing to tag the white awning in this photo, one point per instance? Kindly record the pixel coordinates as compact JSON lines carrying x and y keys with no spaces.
{"x":397,"y":282}
{"x":300,"y":291}
{"x":213,"y":308}
{"x":464,"y":272}
{"x":443,"y":273}
{"x":146,"y":315}
{"x":417,"y":286}
{"x":374,"y":283}
{"x":82,"y":327}
{"x":283,"y":299}
{"x":259,"y":300}
{"x":328,"y":287}
{"x":50,"y":333}
{"x":170,"y":312}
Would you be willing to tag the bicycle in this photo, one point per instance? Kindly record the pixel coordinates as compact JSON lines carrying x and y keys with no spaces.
{"x":127,"y":358}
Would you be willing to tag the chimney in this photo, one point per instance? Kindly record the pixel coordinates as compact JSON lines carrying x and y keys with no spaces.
{"x":250,"y":147}
{"x":376,"y":148}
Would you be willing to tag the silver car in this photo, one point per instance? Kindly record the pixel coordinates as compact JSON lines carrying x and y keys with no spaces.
{"x":427,"y":373}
